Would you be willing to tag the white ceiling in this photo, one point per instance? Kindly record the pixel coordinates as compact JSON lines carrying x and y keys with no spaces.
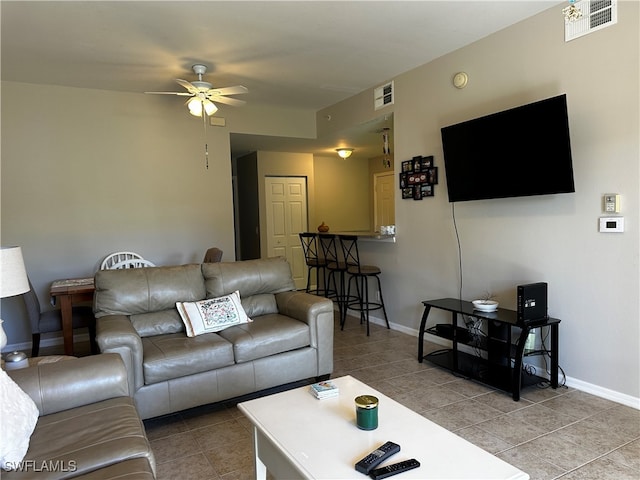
{"x":302,"y":54}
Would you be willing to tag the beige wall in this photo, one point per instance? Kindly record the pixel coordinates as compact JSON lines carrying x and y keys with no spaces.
{"x":342,"y":193}
{"x":89,"y":172}
{"x":593,"y":277}
{"x":340,"y":190}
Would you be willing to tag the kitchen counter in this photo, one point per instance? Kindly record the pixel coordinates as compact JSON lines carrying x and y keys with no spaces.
{"x":369,"y":236}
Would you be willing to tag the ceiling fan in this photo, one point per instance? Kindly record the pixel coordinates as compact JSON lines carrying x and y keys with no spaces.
{"x":204,"y":96}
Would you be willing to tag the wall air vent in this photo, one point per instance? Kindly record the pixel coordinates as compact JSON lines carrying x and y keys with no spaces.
{"x":592,"y":15}
{"x":383,"y":96}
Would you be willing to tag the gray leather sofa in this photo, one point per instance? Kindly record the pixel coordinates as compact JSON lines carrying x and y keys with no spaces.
{"x":290,"y":338}
{"x":88,"y":426}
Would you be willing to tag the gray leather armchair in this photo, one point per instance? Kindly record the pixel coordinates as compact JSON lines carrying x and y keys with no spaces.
{"x":88,"y":425}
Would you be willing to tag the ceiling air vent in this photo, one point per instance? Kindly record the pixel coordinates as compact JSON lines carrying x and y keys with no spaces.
{"x":593,"y":15}
{"x":383,"y":96}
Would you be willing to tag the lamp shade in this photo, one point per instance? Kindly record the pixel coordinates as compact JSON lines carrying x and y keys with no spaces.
{"x":13,"y":275}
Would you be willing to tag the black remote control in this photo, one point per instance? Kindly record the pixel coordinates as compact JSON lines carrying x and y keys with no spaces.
{"x":376,"y":457}
{"x":384,"y":472}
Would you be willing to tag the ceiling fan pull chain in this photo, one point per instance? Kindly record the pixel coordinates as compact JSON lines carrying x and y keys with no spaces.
{"x":206,"y":146}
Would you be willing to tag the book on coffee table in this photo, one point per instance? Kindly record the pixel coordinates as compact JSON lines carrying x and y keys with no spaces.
{"x":324,"y":389}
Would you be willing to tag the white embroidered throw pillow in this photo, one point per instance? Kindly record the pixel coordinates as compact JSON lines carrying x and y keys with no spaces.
{"x":212,"y":315}
{"x":19,"y":417}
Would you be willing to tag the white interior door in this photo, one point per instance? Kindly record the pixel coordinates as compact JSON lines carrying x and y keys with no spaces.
{"x":384,"y":200}
{"x":286,"y":217}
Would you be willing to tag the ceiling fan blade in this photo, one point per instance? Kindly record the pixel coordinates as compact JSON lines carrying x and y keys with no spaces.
{"x":227,"y":100}
{"x":235,"y":90}
{"x":184,"y":94}
{"x":191,"y":88}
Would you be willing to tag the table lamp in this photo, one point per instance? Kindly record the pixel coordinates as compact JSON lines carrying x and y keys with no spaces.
{"x":13,"y":281}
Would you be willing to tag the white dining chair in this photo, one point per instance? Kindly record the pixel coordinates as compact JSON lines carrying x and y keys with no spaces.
{"x":132,"y":263}
{"x":116,"y":257}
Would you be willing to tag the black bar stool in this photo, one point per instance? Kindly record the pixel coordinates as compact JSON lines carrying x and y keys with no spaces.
{"x":335,"y":266}
{"x":309,"y":242}
{"x":361,"y":274}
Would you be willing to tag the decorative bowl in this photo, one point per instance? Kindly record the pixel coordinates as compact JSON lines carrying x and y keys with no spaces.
{"x":485,"y":305}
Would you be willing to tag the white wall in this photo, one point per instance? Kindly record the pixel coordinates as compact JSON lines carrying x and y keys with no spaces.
{"x":593,"y":277}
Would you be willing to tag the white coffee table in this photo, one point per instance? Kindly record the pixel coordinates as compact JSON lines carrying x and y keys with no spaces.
{"x":298,"y":436}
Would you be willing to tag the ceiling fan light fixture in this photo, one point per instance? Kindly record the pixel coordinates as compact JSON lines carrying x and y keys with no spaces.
{"x":344,"y":152}
{"x":195,"y":107}
{"x":203,"y":95}
{"x":209,"y":107}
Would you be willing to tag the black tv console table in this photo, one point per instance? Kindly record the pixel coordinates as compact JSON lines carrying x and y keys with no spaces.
{"x":502,"y":367}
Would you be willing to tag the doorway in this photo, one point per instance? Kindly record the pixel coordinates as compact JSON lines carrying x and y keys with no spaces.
{"x":383,"y":199}
{"x":286,"y":217}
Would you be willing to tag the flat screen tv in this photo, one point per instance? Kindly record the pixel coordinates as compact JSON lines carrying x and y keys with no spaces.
{"x":518,"y":152}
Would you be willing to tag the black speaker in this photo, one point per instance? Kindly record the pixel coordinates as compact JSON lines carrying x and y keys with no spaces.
{"x":532,"y":302}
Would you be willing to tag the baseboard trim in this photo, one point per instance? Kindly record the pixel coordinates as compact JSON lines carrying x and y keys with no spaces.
{"x":576,"y":383}
{"x":597,"y":390}
{"x":603,"y":392}
{"x":44,"y":342}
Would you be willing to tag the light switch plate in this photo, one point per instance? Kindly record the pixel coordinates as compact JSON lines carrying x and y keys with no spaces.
{"x":611,"y":203}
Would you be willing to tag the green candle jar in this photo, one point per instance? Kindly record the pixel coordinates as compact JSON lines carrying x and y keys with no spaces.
{"x":366,"y":412}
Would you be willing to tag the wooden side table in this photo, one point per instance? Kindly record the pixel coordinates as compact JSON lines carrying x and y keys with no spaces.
{"x":69,"y":292}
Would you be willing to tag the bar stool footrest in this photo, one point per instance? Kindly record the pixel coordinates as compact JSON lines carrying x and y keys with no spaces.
{"x":365,"y":307}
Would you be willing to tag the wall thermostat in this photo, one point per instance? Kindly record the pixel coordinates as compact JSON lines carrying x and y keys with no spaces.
{"x":612,"y":224}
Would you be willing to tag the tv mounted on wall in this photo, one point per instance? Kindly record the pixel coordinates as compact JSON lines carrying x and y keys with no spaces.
{"x":518,"y":152}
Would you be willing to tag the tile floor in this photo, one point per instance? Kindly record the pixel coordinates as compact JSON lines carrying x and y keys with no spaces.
{"x":549,"y":434}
